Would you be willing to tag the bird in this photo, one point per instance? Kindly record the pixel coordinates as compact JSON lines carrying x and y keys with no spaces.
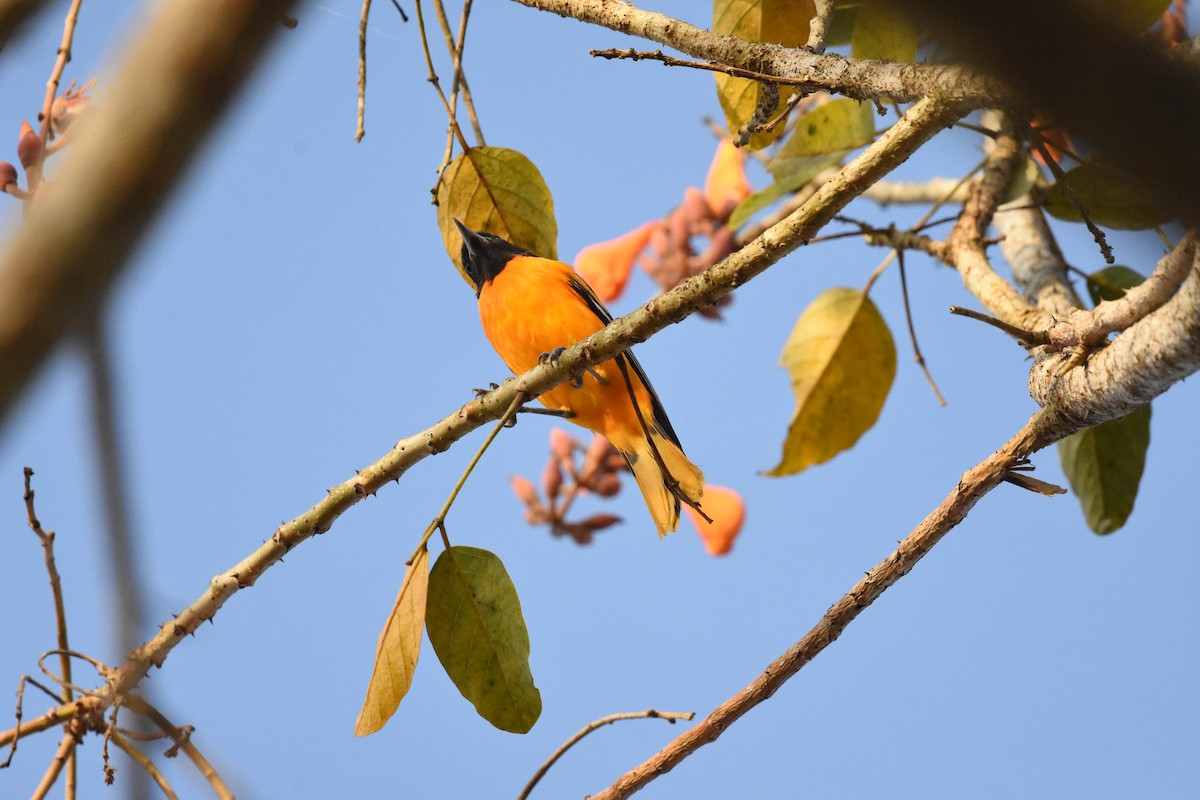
{"x":531,"y":309}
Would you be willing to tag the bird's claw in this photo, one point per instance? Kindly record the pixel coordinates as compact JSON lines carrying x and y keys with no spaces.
{"x":552,"y":359}
{"x":481,"y":392}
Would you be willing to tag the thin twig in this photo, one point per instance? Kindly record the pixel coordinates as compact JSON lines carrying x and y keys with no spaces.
{"x":60,"y":64}
{"x":710,"y":66}
{"x":60,"y":612}
{"x":912,"y":332}
{"x":1060,"y":178}
{"x":650,"y":713}
{"x":455,"y":45}
{"x":60,"y":618}
{"x":360,"y":130}
{"x":113,"y":479}
{"x":433,"y":78}
{"x":1028,"y":338}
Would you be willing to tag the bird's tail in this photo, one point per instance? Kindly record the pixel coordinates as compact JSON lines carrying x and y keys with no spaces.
{"x":686,"y":477}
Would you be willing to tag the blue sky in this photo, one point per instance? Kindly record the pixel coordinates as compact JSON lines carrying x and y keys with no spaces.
{"x":293,"y":314}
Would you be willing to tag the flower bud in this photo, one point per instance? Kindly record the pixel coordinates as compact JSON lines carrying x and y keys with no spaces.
{"x":562,"y":444}
{"x":8,"y":175}
{"x":598,"y":522}
{"x":552,"y":479}
{"x":29,"y":146}
{"x":606,"y":485}
{"x":524,"y":490}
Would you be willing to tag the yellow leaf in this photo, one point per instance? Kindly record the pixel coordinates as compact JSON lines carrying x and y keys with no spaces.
{"x":883,"y":33}
{"x":772,"y":21}
{"x":500,"y":191}
{"x":397,"y":649}
{"x":842,"y":361}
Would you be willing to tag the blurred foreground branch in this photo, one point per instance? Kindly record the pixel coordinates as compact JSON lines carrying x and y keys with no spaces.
{"x":177,"y":78}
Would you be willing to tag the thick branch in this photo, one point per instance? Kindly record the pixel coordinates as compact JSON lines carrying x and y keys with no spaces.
{"x":1151,"y":132}
{"x":1142,"y":363}
{"x":1092,"y":327}
{"x":1036,"y":262}
{"x":171,"y":89}
{"x":966,"y":252}
{"x":934,"y":190}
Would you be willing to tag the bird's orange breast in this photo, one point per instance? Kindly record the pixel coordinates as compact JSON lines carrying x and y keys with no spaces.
{"x":530,"y":308}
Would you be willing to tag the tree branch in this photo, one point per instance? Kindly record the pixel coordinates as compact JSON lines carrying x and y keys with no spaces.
{"x":1090,"y":328}
{"x":966,"y":251}
{"x":1143,"y":362}
{"x":169,"y":92}
{"x":1037,"y":264}
{"x":834,"y":73}
{"x":669,"y":716}
{"x":1042,"y":429}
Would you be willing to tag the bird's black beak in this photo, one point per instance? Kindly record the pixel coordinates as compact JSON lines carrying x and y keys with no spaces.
{"x":471,"y":239}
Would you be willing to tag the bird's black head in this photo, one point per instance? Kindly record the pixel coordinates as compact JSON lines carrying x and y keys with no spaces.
{"x":484,"y":255}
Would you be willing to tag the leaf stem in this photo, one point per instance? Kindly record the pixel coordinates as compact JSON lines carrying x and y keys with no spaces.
{"x":439,"y":521}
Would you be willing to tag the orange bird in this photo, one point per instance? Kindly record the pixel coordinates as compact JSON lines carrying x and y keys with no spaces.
{"x":531,"y":308}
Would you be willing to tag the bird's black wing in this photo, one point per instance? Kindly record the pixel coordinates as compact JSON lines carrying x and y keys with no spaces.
{"x":659,"y":413}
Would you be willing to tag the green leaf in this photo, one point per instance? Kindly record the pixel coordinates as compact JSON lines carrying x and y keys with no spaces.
{"x":1104,"y":465}
{"x":775,"y":21}
{"x":835,"y":127}
{"x":1111,"y":198}
{"x":842,"y":361}
{"x":791,"y":176}
{"x":499,"y":191}
{"x":821,"y":139}
{"x":883,"y":33}
{"x":476,"y":629}
{"x":397,"y":649}
{"x":1111,"y":283}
